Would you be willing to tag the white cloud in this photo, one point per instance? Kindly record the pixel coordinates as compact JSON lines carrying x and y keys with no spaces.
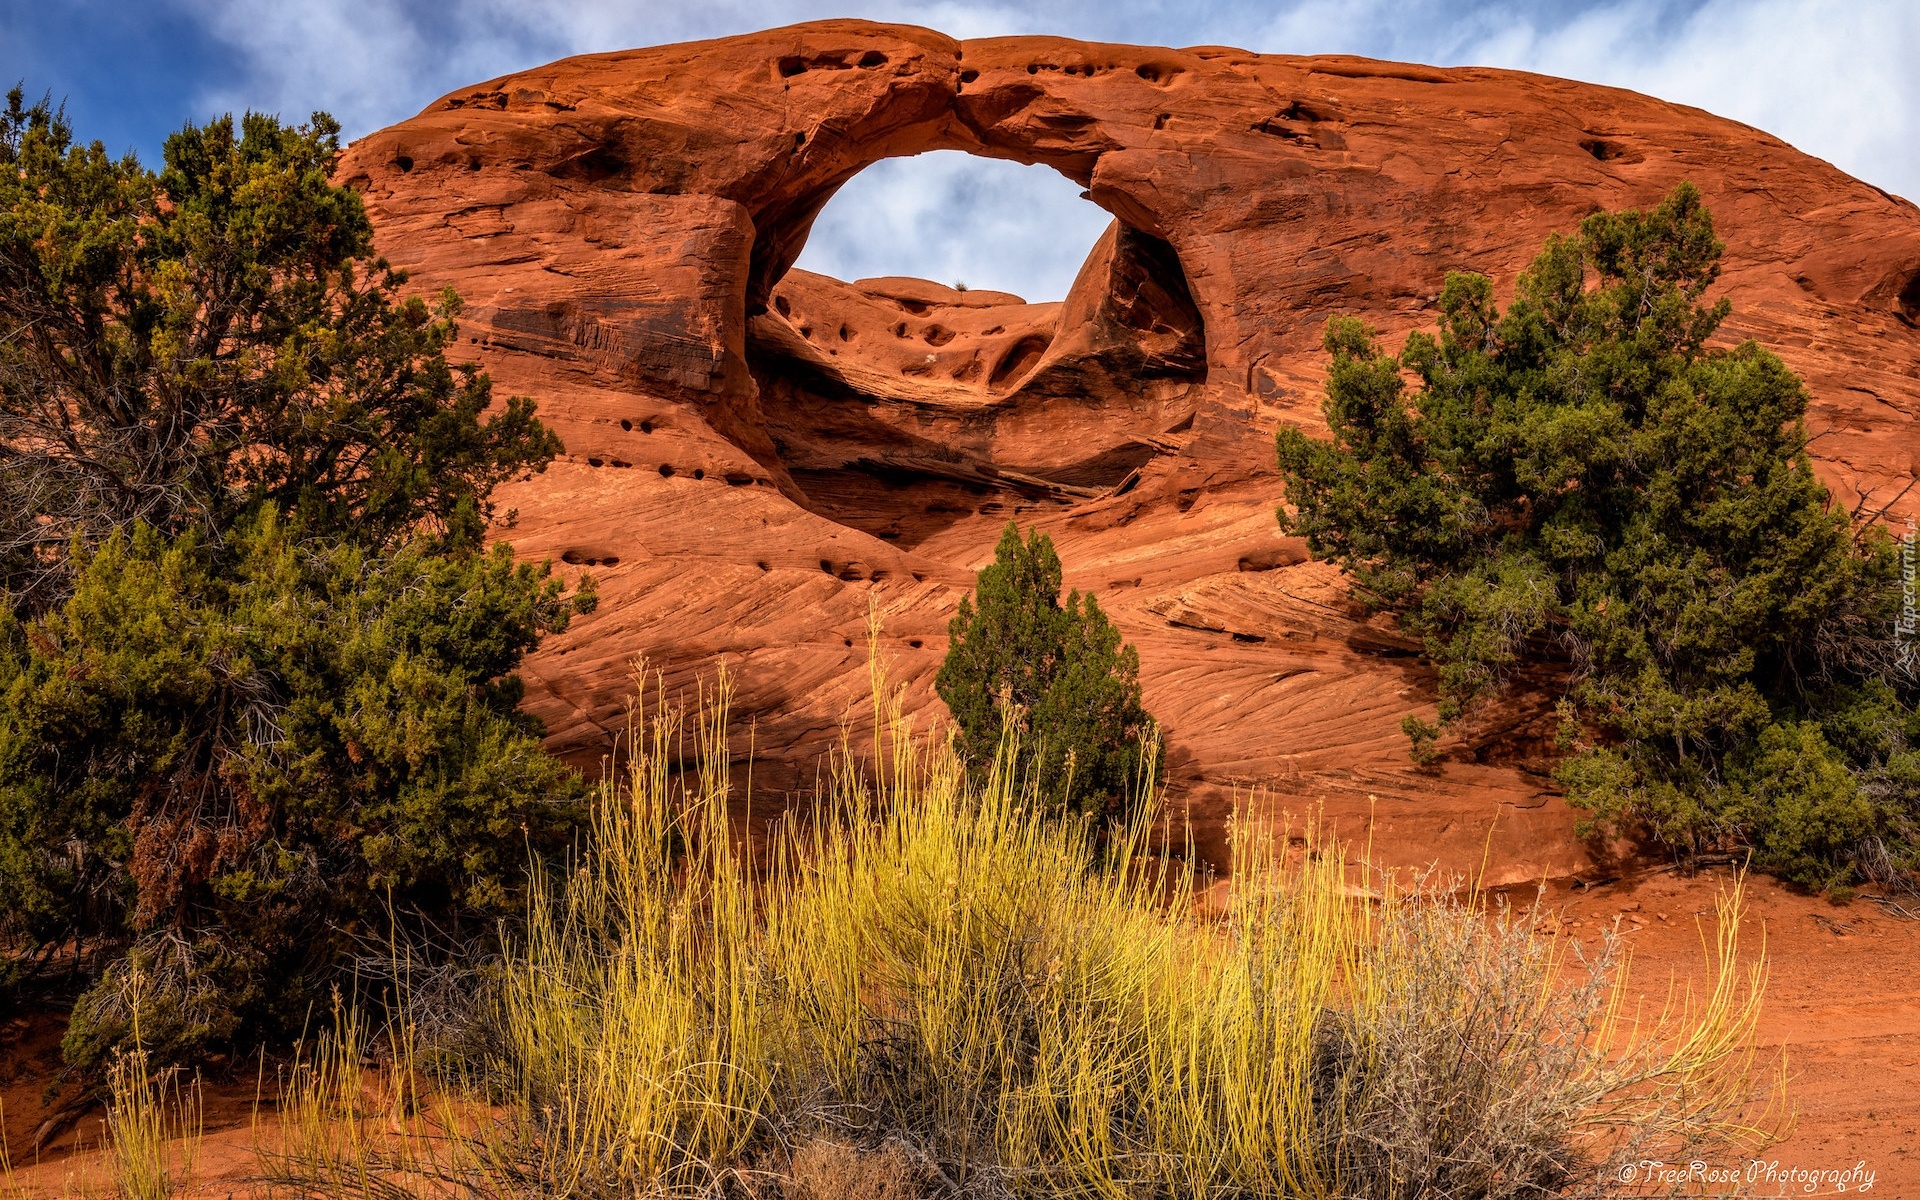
{"x":1833,"y":77}
{"x":617,"y":24}
{"x":373,"y":62}
{"x":951,"y":217}
{"x":296,"y":58}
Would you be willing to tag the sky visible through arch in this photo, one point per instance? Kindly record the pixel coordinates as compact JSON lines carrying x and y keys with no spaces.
{"x":957,"y":219}
{"x":1837,"y":78}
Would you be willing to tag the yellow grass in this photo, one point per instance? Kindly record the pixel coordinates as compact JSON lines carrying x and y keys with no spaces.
{"x":931,"y":970}
{"x":153,"y":1118}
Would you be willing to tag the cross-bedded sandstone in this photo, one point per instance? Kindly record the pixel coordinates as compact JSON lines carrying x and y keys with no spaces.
{"x":757,"y":454}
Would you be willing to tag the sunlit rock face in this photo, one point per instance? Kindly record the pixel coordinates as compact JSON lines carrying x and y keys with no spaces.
{"x":758,"y":456}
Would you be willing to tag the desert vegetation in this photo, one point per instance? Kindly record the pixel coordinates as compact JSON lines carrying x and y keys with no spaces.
{"x":1053,"y":674}
{"x":932,"y":986}
{"x":1590,"y":482}
{"x":256,"y":696}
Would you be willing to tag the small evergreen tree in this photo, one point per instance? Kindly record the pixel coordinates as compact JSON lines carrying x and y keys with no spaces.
{"x":240,"y":765}
{"x":255,"y":656}
{"x":1584,"y":478}
{"x":186,"y":348}
{"x":1058,"y":672}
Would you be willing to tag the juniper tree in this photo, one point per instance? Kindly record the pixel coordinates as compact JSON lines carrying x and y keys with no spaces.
{"x":1589,"y":478}
{"x":1055,"y":676}
{"x":185,"y":348}
{"x":255,"y":657}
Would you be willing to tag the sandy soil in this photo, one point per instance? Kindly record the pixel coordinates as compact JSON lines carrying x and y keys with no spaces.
{"x":1843,"y":1004}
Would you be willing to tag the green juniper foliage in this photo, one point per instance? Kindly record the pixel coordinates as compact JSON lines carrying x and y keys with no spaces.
{"x":185,"y":349}
{"x":256,"y":685}
{"x":1585,"y":479}
{"x":252,"y":756}
{"x":1058,"y":671}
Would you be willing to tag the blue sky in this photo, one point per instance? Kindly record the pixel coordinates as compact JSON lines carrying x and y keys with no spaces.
{"x":1838,"y":78}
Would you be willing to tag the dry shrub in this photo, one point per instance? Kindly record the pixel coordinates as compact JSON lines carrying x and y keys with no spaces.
{"x":1479,"y":1056}
{"x":1025,"y":1011}
{"x":829,"y":1170}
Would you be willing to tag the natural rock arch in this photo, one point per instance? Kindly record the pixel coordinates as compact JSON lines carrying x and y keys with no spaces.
{"x":1239,"y":163}
{"x":778,"y":125}
{"x":622,"y":226}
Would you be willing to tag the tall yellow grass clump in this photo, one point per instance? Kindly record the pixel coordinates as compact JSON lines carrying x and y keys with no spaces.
{"x":153,"y":1117}
{"x":1004,"y":1004}
{"x":153,"y":1123}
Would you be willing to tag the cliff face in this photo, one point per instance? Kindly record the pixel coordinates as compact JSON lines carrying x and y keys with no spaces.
{"x":757,"y":455}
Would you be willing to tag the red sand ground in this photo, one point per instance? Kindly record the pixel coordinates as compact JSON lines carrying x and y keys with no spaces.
{"x":1843,"y":1003}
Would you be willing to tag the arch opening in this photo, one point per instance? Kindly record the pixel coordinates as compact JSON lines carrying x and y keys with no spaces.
{"x":950,"y":217}
{"x":903,"y":405}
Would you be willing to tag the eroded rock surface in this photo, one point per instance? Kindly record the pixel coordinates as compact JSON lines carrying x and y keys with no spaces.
{"x":756,"y":455}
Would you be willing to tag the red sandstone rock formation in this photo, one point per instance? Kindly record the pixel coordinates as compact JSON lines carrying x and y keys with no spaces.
{"x":757,"y":455}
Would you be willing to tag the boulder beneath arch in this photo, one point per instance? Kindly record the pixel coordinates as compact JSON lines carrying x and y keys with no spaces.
{"x":756,"y":455}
